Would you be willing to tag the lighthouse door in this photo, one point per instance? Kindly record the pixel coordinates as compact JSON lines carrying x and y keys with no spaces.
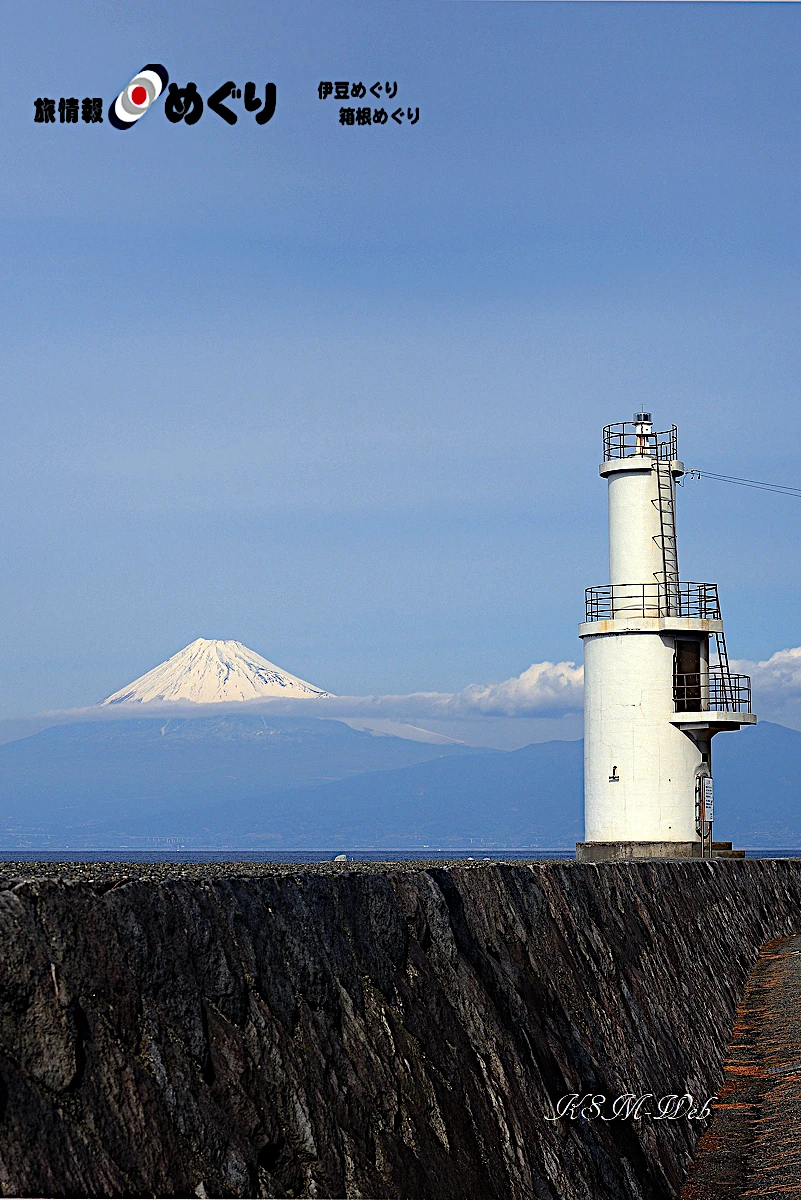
{"x":687,"y":675}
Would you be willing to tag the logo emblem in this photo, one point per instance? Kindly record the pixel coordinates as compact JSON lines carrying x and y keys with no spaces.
{"x":134,"y":101}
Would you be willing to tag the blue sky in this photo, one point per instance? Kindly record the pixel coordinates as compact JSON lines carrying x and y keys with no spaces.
{"x":337,"y":393}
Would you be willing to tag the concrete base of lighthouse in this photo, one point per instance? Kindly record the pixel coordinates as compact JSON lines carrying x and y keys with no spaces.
{"x":598,"y":852}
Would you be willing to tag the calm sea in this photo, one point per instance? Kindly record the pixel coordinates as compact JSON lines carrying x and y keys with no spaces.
{"x":309,"y":856}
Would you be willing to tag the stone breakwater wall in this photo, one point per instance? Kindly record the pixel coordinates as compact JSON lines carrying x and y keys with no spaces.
{"x":394,"y":1031}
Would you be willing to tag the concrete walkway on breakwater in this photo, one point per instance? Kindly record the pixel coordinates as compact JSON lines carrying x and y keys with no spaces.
{"x":752,"y":1146}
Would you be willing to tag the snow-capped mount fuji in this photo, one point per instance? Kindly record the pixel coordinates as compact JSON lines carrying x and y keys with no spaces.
{"x":214,"y":672}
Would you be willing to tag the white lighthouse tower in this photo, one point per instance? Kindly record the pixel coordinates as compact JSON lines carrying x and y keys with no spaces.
{"x":657,"y":684}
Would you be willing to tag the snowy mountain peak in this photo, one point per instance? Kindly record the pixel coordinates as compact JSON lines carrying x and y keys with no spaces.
{"x":213,"y":672}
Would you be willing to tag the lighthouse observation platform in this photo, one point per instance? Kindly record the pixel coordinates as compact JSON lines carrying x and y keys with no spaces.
{"x":613,"y":601}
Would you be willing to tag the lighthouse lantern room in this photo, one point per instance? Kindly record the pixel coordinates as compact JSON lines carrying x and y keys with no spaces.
{"x":657,"y":683}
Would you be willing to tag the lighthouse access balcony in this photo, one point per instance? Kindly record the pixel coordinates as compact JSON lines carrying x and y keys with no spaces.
{"x":718,"y":690}
{"x":711,"y":701}
{"x":618,"y":601}
{"x":656,"y":607}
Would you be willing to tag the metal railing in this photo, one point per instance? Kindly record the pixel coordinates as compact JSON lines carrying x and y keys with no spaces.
{"x":615,"y":600}
{"x":623,"y":440}
{"x":718,"y":691}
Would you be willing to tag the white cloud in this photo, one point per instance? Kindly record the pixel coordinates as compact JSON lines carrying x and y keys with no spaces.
{"x":544,"y":689}
{"x":776,"y":681}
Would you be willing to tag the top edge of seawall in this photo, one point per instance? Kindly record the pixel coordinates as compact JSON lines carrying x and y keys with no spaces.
{"x":104,"y":873}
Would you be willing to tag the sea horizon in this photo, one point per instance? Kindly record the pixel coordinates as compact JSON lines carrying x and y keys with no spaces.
{"x":427,"y":854}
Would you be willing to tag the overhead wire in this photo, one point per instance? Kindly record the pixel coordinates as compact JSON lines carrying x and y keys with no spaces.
{"x":760,"y":485}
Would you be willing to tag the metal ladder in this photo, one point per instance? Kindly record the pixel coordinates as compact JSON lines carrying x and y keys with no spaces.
{"x":666,"y":539}
{"x":725,"y":677}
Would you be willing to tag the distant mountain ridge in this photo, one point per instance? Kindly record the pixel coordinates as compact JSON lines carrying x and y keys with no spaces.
{"x":213,"y":672}
{"x":244,"y":780}
{"x":105,"y":777}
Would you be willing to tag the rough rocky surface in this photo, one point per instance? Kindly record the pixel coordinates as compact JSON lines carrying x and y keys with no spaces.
{"x":359,"y":1030}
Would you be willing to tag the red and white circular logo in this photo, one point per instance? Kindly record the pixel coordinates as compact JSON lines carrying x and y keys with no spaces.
{"x":134,"y":101}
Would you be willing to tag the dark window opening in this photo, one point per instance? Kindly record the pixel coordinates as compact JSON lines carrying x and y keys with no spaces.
{"x":687,"y":675}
